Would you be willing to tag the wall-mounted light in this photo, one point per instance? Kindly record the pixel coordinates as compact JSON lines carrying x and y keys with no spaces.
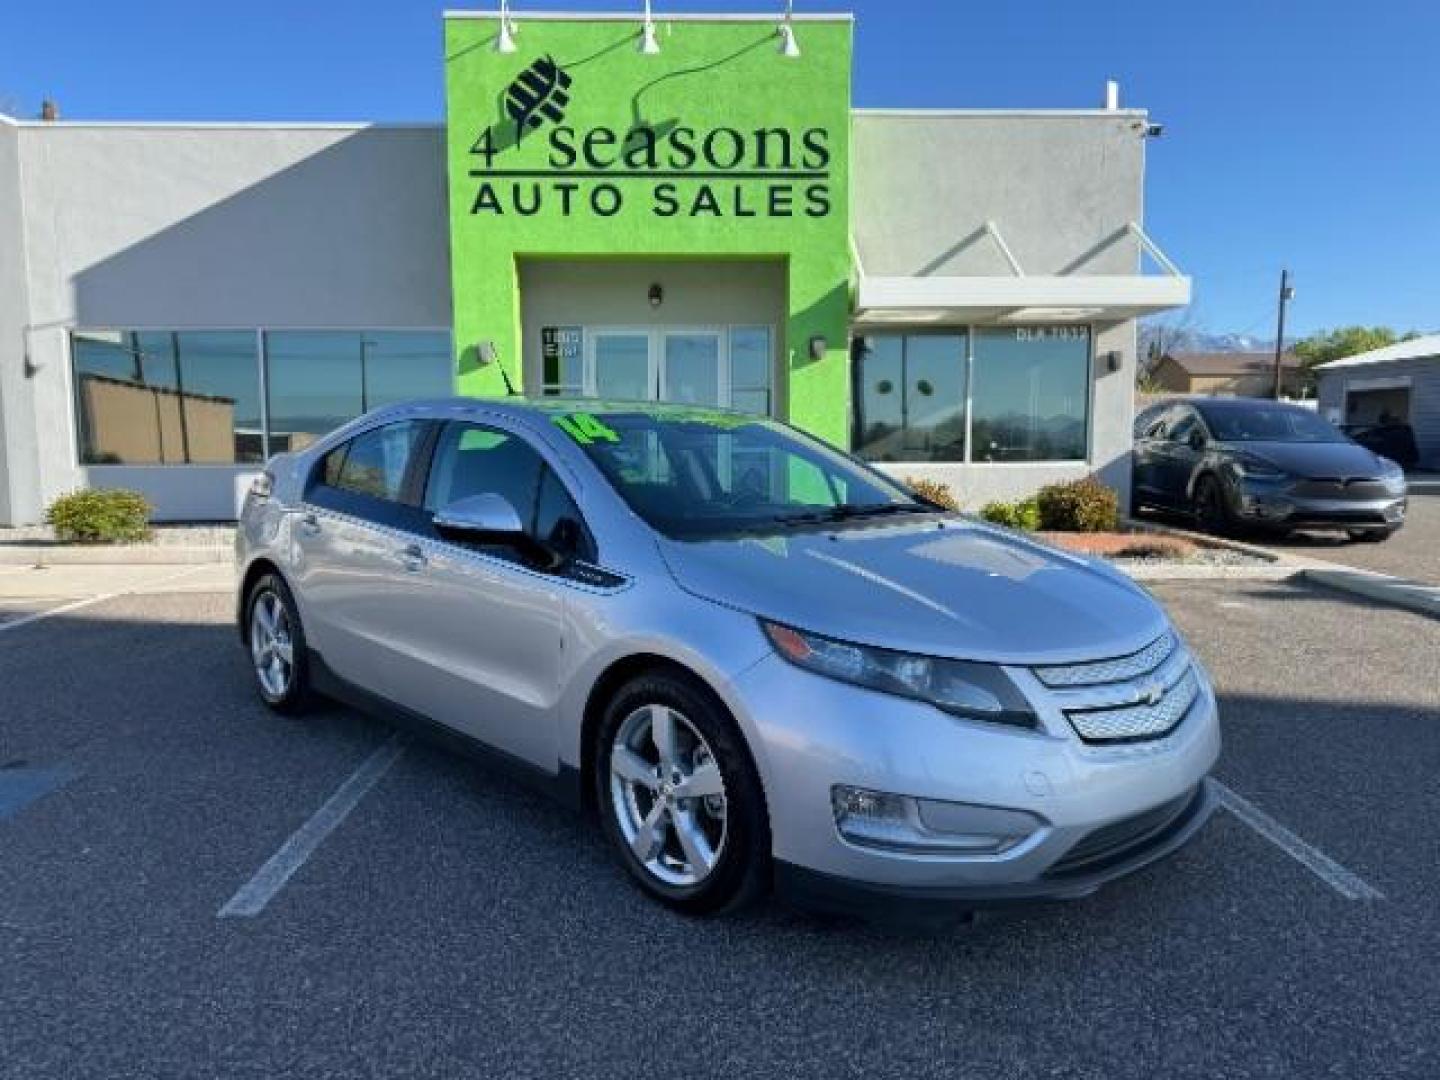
{"x":819,"y":345}
{"x":656,"y":295}
{"x":486,"y":352}
{"x":649,"y":43}
{"x":505,"y":40}
{"x":788,"y":45}
{"x":1113,"y":360}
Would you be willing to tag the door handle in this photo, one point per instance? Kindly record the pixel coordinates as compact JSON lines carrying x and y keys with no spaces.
{"x":412,"y":558}
{"x":309,"y":524}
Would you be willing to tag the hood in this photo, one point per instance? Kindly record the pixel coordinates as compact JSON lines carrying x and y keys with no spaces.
{"x":956,"y":589}
{"x":1315,"y":460}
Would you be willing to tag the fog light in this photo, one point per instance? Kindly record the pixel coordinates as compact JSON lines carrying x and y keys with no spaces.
{"x":899,"y":823}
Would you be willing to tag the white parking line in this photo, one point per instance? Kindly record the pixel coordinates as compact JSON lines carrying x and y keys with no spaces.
{"x":98,"y":598}
{"x":271,"y":878}
{"x":1316,"y":861}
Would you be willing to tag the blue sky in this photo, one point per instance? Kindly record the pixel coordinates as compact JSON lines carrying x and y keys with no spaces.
{"x":1297,"y":133}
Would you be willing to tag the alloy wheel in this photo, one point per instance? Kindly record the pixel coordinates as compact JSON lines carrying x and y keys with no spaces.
{"x":271,"y":646}
{"x":668,"y":795}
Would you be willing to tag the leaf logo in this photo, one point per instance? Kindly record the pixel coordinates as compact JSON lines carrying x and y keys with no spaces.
{"x":539,"y":93}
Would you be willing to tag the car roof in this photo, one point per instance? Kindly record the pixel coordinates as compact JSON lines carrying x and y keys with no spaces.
{"x":519,"y":406}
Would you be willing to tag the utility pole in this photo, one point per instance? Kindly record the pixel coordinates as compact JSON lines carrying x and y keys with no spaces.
{"x":1287,"y":293}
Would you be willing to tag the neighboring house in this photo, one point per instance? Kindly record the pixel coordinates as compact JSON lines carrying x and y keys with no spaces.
{"x":1237,"y":374}
{"x":1399,"y":384}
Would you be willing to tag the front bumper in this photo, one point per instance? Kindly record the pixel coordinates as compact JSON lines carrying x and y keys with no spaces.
{"x":811,"y":734}
{"x":1293,"y":505}
{"x":889,"y":902}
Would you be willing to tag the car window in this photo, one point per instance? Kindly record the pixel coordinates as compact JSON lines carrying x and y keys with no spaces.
{"x":474,"y":460}
{"x":1181,"y":426}
{"x":558,"y":522}
{"x":1147,"y":423}
{"x":375,"y":462}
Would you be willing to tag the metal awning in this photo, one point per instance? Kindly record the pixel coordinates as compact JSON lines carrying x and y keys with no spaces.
{"x":1020,"y":297}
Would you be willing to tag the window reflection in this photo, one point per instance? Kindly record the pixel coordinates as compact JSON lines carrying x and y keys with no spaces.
{"x":910,"y":400}
{"x":177,"y":397}
{"x":167,"y":397}
{"x":1031,"y":394}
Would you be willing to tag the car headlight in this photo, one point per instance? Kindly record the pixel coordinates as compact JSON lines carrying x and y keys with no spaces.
{"x":965,"y":688}
{"x":1255,"y":469}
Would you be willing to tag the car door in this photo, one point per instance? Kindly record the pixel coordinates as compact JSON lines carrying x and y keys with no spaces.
{"x":1179,"y":452}
{"x":488,"y":621}
{"x":1149,"y":428}
{"x":352,"y":562}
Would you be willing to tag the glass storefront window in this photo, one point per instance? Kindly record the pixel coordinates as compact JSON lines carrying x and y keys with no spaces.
{"x":1031,"y":394}
{"x":319,"y":379}
{"x":192,"y":397}
{"x":910,"y":397}
{"x":167,"y":397}
{"x":750,"y":366}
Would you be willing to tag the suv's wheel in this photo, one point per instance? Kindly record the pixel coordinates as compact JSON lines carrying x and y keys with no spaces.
{"x":679,"y":796}
{"x":1210,"y":507}
{"x":277,"y":646}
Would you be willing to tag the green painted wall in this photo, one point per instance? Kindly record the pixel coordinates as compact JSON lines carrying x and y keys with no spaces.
{"x":717,"y":147}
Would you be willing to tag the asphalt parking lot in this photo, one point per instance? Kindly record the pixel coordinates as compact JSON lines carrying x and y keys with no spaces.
{"x":456,"y":924}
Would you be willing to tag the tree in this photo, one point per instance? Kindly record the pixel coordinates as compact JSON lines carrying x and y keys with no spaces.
{"x":1163,"y":335}
{"x":1327,"y":345}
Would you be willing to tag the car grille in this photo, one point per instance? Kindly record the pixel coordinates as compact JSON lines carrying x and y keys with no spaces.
{"x":1121,"y":838}
{"x":1358,"y":490}
{"x":1143,"y":695}
{"x":1109,"y":671}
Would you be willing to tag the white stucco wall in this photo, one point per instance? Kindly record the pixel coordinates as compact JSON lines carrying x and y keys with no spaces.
{"x":206,"y":227}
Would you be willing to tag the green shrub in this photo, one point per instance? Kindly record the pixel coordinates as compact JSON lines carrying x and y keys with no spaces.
{"x":100,"y":517}
{"x":1078,"y":506}
{"x":934,"y":491}
{"x":1022,"y":514}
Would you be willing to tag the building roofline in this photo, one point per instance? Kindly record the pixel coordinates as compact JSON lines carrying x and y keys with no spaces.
{"x":232,"y":125}
{"x":662,"y":17}
{"x":924,"y":113}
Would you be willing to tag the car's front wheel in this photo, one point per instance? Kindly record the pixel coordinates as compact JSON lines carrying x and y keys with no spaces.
{"x":277,"y":646}
{"x":1210,"y":507}
{"x":1370,"y":536}
{"x":679,"y":796}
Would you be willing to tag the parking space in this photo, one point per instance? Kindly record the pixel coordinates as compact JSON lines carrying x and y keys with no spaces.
{"x":451,"y":922}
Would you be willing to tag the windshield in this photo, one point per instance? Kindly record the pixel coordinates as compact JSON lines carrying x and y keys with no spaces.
{"x":699,"y":474}
{"x":1269,"y":423}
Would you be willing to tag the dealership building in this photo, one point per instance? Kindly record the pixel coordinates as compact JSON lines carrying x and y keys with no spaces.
{"x":688,"y":211}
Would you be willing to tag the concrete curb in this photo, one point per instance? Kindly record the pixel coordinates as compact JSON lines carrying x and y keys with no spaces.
{"x":102,"y":555}
{"x":1187,"y":572}
{"x":1208,"y":539}
{"x":1397,"y":592}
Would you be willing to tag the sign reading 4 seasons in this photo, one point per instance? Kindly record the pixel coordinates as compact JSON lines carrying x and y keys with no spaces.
{"x":663,"y":169}
{"x":578,"y":145}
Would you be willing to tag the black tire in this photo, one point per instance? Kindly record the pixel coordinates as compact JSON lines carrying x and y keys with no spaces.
{"x":298,"y":694}
{"x":1370,"y":536}
{"x":1210,"y":508}
{"x":741,"y":871}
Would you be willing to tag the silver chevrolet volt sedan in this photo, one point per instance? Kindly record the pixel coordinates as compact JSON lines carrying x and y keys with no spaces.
{"x":760,"y":662}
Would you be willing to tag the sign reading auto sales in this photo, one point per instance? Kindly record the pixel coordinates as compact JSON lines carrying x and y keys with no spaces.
{"x":667,"y":169}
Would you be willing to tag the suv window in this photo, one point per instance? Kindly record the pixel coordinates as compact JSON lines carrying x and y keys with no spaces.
{"x":1181,"y":425}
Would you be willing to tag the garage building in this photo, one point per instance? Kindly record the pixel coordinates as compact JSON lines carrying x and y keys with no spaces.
{"x":1397,"y":384}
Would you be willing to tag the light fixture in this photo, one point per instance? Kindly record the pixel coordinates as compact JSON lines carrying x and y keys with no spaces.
{"x":649,"y":43}
{"x":486,"y":352}
{"x":818,"y":346}
{"x":505,"y":40}
{"x":656,"y":295}
{"x":788,"y":45}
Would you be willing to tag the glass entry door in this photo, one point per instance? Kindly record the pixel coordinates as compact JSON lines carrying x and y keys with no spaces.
{"x":688,"y":365}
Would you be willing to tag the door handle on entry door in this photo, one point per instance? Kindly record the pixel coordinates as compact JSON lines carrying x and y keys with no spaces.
{"x":412,"y":558}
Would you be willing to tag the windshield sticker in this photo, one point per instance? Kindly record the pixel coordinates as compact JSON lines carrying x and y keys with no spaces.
{"x":585,"y":428}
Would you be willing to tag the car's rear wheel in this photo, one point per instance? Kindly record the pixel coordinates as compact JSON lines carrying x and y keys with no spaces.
{"x":679,"y":796}
{"x":277,"y":646}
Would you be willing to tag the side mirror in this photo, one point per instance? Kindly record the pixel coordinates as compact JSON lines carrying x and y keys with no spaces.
{"x":1197,"y":440}
{"x":487,"y":518}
